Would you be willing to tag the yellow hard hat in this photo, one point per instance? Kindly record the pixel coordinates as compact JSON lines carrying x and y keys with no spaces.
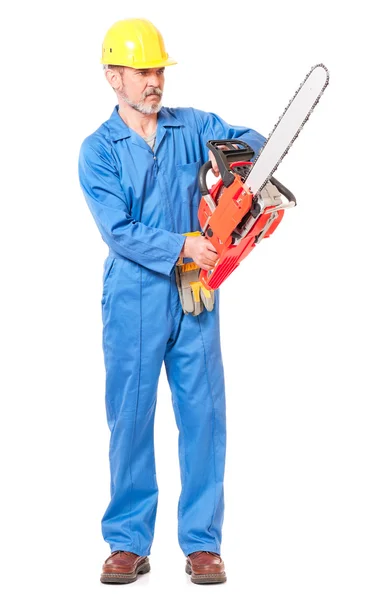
{"x":135,"y":43}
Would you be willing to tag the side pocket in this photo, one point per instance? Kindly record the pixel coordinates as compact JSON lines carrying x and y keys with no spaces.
{"x":108,"y":268}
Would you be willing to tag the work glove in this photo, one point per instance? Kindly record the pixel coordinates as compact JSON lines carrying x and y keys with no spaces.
{"x":194,"y":296}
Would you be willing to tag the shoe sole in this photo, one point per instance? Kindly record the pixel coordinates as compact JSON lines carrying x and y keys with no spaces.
{"x":144,"y":567}
{"x":206,"y":577}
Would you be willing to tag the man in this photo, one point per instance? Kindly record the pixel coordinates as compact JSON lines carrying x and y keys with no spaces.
{"x":138,"y":172}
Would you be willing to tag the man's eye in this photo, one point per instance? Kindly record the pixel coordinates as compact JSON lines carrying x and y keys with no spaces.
{"x":160,"y":71}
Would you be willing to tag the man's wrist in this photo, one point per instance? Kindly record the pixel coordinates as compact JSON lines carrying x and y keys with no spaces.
{"x":181,"y":255}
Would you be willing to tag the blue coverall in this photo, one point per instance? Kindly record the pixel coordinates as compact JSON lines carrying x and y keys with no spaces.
{"x":142,"y":202}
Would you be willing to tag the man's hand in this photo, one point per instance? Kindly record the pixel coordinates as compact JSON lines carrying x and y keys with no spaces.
{"x":201,"y":251}
{"x":215,"y":168}
{"x":212,"y":158}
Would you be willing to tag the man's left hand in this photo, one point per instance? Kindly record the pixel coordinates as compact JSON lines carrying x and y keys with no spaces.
{"x":212,"y":158}
{"x":215,"y":168}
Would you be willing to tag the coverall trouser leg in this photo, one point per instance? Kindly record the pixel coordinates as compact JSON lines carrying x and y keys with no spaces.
{"x":195,"y":374}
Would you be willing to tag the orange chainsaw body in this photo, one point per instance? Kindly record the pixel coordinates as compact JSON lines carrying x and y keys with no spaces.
{"x":233,"y":204}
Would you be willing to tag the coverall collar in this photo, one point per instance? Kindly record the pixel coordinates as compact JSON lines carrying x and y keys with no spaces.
{"x":120,"y":130}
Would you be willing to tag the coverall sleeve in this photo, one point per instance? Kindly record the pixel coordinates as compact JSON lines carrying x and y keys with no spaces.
{"x":214,"y":127}
{"x":155,"y":249}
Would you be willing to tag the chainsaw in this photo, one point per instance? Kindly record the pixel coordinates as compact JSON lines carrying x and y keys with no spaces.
{"x":247,"y":203}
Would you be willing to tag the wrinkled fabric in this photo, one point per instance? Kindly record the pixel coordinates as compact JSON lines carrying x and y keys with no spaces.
{"x":142,"y":202}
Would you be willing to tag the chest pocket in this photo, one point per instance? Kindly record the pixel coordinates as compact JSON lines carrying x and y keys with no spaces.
{"x":187,"y":175}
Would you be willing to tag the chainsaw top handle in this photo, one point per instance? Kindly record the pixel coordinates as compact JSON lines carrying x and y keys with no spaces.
{"x":224,"y":158}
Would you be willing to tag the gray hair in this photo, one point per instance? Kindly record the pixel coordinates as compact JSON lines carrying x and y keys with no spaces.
{"x":118,"y":68}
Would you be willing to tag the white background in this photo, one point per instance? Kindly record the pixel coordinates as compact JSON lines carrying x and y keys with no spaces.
{"x":302,"y":326}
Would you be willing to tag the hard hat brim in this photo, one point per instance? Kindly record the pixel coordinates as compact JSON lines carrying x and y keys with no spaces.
{"x":144,"y":65}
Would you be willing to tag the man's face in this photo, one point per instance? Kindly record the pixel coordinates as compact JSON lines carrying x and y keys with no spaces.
{"x":142,"y":89}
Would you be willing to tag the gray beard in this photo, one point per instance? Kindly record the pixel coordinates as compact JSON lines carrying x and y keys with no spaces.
{"x":142,"y":107}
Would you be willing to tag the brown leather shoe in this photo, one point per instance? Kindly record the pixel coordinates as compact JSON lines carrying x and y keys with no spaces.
{"x":205,"y":567}
{"x":124,"y":567}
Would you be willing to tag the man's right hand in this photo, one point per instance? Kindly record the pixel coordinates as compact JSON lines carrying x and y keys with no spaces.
{"x":201,"y":250}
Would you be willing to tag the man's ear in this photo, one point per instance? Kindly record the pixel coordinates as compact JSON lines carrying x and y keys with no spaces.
{"x":114,"y":78}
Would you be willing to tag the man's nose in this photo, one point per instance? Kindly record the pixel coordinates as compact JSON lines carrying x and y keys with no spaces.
{"x":153,"y":80}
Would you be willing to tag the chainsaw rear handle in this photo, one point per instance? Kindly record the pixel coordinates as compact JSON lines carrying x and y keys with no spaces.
{"x":224,"y":159}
